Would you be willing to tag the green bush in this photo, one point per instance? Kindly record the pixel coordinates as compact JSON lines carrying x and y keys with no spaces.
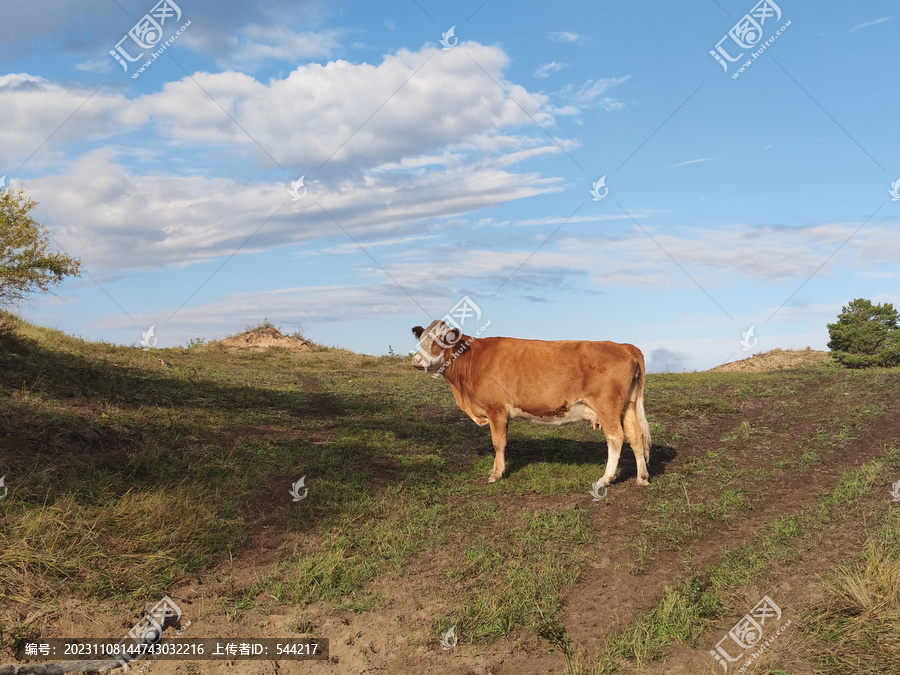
{"x":865,"y":335}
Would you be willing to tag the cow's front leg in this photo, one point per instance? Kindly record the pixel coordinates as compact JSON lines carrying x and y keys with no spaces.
{"x":499,"y":422}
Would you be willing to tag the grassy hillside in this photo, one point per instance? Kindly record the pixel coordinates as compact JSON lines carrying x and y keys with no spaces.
{"x":132,"y":474}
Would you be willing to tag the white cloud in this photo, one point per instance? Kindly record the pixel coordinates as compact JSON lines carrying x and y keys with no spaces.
{"x":439,"y":148}
{"x":358,"y":115}
{"x":552,"y":67}
{"x":732,"y":255}
{"x":102,"y":212}
{"x":256,"y":44}
{"x":323,"y":303}
{"x":91,"y":27}
{"x":870,"y":23}
{"x":729,"y":254}
{"x":566,"y":36}
{"x":515,"y":157}
{"x":36,"y":109}
{"x":593,"y":88}
{"x":352,"y":248}
{"x":693,"y":161}
{"x":591,"y":93}
{"x":98,"y":66}
{"x":556,"y":220}
{"x":409,"y":104}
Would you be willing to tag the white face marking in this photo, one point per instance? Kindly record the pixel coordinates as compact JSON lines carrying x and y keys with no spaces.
{"x":430,"y":355}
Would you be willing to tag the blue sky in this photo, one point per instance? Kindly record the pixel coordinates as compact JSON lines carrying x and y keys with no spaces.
{"x":431,"y":174}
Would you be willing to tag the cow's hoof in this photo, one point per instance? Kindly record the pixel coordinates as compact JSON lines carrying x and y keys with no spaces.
{"x":643,"y":481}
{"x":492,"y":478}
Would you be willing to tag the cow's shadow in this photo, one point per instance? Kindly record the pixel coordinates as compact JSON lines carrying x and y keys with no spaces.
{"x":520,"y":452}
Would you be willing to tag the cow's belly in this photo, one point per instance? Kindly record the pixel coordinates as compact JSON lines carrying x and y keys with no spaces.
{"x":565,"y":414}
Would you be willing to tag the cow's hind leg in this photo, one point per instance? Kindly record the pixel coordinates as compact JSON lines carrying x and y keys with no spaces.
{"x":639,"y":444}
{"x":643,"y":475}
{"x":613,"y":452}
{"x":499,"y":422}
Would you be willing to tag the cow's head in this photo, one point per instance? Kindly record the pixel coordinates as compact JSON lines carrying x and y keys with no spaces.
{"x":435,"y":345}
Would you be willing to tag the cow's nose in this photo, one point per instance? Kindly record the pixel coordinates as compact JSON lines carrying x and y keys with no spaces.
{"x":418,"y":362}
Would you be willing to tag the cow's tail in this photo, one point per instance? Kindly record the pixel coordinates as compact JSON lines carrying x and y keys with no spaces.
{"x":636,"y":427}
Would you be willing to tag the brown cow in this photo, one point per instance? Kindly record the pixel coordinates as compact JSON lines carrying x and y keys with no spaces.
{"x":495,"y":379}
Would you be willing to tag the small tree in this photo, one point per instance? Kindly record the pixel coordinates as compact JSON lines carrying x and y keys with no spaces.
{"x":26,"y":264}
{"x":865,"y":335}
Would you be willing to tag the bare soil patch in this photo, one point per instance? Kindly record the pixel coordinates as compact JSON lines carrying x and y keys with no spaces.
{"x":262,"y":338}
{"x":777,"y":359}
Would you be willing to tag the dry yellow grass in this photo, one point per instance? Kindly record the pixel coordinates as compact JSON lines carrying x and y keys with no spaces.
{"x":858,"y":628}
{"x":776,"y":359}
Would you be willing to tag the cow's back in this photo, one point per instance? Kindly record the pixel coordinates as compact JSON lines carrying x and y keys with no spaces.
{"x":543,"y":375}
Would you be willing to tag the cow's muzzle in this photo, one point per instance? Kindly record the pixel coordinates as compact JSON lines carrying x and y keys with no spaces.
{"x":429,"y":366}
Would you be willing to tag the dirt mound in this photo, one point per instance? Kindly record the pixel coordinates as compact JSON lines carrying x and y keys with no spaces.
{"x":777,"y":359}
{"x":262,"y":337}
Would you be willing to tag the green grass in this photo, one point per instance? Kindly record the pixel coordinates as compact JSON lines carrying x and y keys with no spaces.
{"x":680,"y":615}
{"x":519,"y":579}
{"x":126,"y":474}
{"x":395,"y":528}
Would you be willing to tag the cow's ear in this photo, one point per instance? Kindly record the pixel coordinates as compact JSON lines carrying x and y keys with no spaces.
{"x":417,"y":331}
